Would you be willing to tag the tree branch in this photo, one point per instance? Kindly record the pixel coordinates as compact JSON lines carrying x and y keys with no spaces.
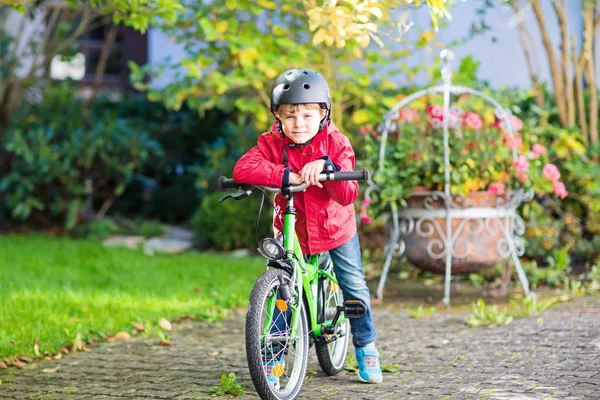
{"x":106,"y":48}
{"x":539,"y":96}
{"x":555,"y":67}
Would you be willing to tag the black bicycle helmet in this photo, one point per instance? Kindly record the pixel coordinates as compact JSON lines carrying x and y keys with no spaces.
{"x":301,"y":86}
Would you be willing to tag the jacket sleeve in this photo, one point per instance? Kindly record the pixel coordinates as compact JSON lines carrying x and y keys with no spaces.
{"x":258,"y":166}
{"x":342,"y":155}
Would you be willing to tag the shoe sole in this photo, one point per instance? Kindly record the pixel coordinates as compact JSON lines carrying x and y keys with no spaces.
{"x":369,"y":381}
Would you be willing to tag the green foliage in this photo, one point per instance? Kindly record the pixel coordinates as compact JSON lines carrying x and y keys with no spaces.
{"x":228,"y":386}
{"x":487,"y":315}
{"x":55,"y":288}
{"x":351,"y":363}
{"x":245,"y":45}
{"x":480,"y":152}
{"x":231,"y":224}
{"x":530,"y":306}
{"x":100,"y":229}
{"x":64,"y":167}
{"x":421,"y":312}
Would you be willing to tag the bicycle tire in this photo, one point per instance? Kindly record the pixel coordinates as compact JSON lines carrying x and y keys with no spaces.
{"x":266,"y":285}
{"x":331,"y":356}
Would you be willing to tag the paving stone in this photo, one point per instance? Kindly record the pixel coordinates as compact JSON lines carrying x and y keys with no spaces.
{"x":438,"y":358}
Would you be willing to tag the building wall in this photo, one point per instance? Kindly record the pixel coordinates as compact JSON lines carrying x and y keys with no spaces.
{"x":503,"y":59}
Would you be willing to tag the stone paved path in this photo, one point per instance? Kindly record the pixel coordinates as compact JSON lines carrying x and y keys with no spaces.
{"x":438,"y":358}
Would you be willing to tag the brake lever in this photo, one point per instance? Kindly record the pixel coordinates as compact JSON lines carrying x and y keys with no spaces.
{"x":242,"y":193}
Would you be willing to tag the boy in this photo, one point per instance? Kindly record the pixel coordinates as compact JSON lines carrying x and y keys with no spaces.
{"x":301,"y":143}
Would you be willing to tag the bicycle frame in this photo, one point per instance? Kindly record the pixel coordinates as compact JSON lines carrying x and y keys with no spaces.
{"x":306,"y":277}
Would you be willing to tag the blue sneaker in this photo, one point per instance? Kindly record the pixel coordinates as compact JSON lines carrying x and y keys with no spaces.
{"x":369,"y":369}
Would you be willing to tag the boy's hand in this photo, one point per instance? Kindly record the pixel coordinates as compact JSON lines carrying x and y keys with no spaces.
{"x":310,"y":172}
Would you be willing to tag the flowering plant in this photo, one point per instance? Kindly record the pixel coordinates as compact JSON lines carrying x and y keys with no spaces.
{"x":481,"y":154}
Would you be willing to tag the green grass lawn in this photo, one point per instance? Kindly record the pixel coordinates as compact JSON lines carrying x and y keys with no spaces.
{"x":52,"y":289}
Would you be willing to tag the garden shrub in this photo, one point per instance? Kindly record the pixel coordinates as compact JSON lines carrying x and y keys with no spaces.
{"x":231,"y":224}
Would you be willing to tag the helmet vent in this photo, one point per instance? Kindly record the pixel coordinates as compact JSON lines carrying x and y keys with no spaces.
{"x":289,"y":73}
{"x":286,"y":87}
{"x":305,"y":73}
{"x":306,"y":86}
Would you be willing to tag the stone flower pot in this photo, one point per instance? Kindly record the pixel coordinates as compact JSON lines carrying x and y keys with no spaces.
{"x":477,"y":225}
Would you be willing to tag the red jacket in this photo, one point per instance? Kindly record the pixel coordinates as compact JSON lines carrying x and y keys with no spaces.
{"x":325,"y":217}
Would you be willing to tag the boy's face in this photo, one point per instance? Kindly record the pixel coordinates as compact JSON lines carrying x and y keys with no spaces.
{"x":300,"y":122}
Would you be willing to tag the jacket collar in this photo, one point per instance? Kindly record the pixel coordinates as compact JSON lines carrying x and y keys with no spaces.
{"x":320,"y":136}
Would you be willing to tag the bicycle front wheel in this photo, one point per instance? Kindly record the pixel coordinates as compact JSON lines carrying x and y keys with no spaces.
{"x":277,"y":358}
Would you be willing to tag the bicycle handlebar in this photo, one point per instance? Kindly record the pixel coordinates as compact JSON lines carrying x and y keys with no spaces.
{"x":364,"y":175}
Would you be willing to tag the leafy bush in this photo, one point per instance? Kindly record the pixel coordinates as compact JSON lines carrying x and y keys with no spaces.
{"x":231,"y":224}
{"x":100,"y":229}
{"x":65,"y":162}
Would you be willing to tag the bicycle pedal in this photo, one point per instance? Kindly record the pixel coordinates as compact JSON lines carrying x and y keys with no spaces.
{"x":354,"y":309}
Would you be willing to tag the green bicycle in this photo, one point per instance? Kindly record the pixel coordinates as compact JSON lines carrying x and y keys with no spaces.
{"x":294,"y":304}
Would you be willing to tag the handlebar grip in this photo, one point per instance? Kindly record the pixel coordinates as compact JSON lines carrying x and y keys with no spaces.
{"x":226,"y":183}
{"x":352,"y":175}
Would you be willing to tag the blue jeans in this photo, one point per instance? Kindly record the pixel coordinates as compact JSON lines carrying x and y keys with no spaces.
{"x":347,"y":265}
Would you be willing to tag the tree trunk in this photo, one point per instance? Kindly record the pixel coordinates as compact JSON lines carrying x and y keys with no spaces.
{"x":589,"y":72}
{"x":579,"y":64}
{"x":104,"y":54}
{"x":563,"y":22}
{"x":523,"y":35}
{"x":555,"y":67}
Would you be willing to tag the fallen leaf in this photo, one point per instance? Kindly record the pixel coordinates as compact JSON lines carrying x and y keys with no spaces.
{"x":18,"y":364}
{"x":48,"y":358}
{"x":122,"y":336}
{"x":164,"y":343}
{"x":213,"y":353}
{"x":86,"y":349}
{"x":36,"y":348}
{"x":51,"y":370}
{"x":3,"y":365}
{"x":58,"y":356}
{"x":138,"y":325}
{"x":64,"y":350}
{"x":165,"y":324}
{"x":25,"y":359}
{"x":376,"y":301}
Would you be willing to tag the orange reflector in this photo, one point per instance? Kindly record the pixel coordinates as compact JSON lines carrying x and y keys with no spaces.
{"x":281,"y":305}
{"x":278,"y":370}
{"x":334,"y":287}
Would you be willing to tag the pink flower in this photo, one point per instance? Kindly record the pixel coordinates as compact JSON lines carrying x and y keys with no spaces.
{"x":408,"y":115}
{"x":521,"y":164}
{"x":516,"y":123}
{"x":436,"y":111}
{"x":496,"y":188}
{"x":560,"y":190}
{"x":523,"y":177}
{"x":363,"y":211}
{"x":363,"y":131}
{"x":473,"y":121}
{"x":551,"y":172}
{"x":513,"y":142}
{"x":538,"y":150}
